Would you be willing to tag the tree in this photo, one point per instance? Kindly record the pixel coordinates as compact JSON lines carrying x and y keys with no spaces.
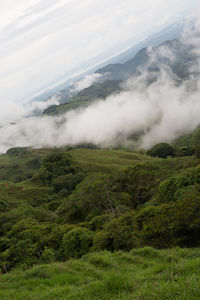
{"x":77,"y":242}
{"x":161,"y":150}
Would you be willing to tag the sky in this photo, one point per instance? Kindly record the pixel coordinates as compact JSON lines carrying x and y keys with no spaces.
{"x":45,"y":41}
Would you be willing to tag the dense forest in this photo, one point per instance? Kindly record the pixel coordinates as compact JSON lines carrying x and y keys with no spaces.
{"x":56,"y":204}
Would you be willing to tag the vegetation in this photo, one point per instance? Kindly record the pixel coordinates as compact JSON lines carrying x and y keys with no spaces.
{"x":86,"y":96}
{"x":140,"y":274}
{"x":162,"y":150}
{"x":75,"y":203}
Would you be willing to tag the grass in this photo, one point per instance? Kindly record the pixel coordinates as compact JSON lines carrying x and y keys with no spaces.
{"x":106,"y":161}
{"x":141,"y":274}
{"x":17,"y":169}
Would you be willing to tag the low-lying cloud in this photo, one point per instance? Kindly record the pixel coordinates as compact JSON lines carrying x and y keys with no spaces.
{"x":86,"y":82}
{"x":12,"y":112}
{"x":160,"y":111}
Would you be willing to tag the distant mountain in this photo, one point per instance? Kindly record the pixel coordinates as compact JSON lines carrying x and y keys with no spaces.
{"x":169,"y":33}
{"x":174,"y":54}
{"x":86,"y":96}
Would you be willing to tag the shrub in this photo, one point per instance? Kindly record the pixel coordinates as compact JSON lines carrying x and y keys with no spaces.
{"x":18,"y":151}
{"x":173,"y":224}
{"x":169,"y":189}
{"x":77,"y":242}
{"x":185,"y":151}
{"x":119,"y":234}
{"x":48,"y":255}
{"x":135,"y":185}
{"x":67,"y":182}
{"x":98,"y":222}
{"x":197,"y":151}
{"x":54,"y":165}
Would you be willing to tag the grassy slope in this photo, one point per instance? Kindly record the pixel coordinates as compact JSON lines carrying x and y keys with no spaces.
{"x":85,"y":97}
{"x":19,"y":168}
{"x":92,"y":160}
{"x":107,"y":161}
{"x":141,"y":274}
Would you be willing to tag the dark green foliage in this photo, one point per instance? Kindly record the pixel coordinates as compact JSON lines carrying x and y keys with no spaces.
{"x":91,"y":197}
{"x":184,"y":151}
{"x":118,"y":199}
{"x":18,"y":151}
{"x":113,"y":194}
{"x":169,"y":189}
{"x":54,"y":165}
{"x":197,"y":151}
{"x":118,"y":234}
{"x":48,"y":256}
{"x":138,"y":182}
{"x":162,"y":150}
{"x":67,"y":182}
{"x":172,"y":224}
{"x":77,"y":242}
{"x":98,"y":222}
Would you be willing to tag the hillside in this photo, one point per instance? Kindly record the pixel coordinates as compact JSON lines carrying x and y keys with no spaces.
{"x":181,"y":57}
{"x":85,"y":97}
{"x":141,"y":274}
{"x":173,"y":54}
{"x":76,"y":215}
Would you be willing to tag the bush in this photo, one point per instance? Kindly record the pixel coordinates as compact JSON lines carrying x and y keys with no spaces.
{"x":67,"y":182}
{"x":119,"y":234}
{"x":54,"y":165}
{"x":173,"y":224}
{"x":185,"y":151}
{"x":18,"y":151}
{"x":98,"y":222}
{"x":197,"y":151}
{"x":169,"y":189}
{"x":135,"y":185}
{"x":48,"y":256}
{"x":161,"y":150}
{"x":77,"y":242}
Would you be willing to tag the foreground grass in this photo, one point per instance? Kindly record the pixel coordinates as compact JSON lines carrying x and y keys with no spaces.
{"x":141,"y":274}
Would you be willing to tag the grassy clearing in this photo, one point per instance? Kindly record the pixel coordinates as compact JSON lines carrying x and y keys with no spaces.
{"x":17,"y":169}
{"x":141,"y":274}
{"x":106,"y":161}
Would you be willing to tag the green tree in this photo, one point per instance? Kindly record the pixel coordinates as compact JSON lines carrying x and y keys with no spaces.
{"x":161,"y":150}
{"x":77,"y":242}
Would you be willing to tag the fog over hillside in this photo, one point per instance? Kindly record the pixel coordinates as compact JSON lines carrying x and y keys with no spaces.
{"x":154,"y":106}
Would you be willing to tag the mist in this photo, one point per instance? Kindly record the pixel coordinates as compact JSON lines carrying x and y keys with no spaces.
{"x":86,"y":82}
{"x":156,"y":112}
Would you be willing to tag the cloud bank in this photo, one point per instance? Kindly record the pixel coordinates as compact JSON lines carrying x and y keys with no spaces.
{"x":160,"y":111}
{"x":86,"y":82}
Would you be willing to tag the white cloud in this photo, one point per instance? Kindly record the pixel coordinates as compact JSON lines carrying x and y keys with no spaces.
{"x":161,"y":111}
{"x":86,"y":82}
{"x":43,"y":40}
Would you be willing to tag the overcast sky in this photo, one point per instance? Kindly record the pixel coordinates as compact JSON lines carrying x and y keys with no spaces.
{"x":41,"y":41}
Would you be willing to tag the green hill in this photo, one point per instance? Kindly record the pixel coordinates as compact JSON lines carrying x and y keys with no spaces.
{"x":141,"y":274}
{"x":86,"y":96}
{"x":89,"y":213}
